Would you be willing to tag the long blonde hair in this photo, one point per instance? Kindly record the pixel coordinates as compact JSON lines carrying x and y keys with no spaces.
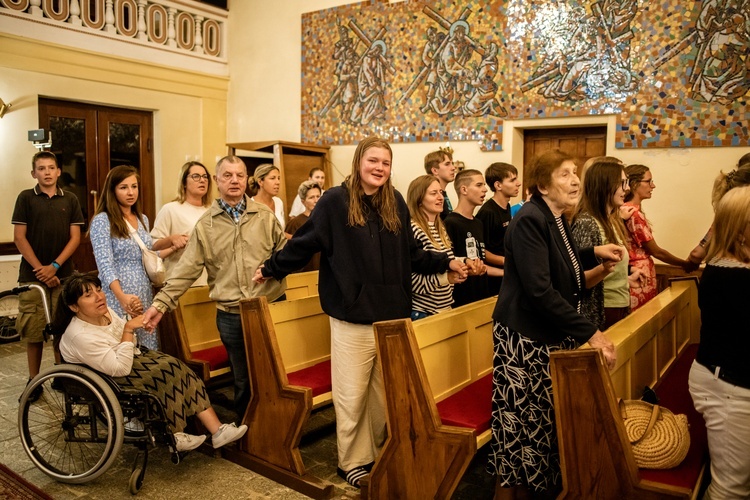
{"x":384,"y":200}
{"x":414,"y":196}
{"x":732,"y":216}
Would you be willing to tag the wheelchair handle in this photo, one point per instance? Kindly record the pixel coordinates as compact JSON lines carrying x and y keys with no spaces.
{"x":25,"y":288}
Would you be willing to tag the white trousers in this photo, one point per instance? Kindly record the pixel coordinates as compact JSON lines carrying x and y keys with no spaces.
{"x":726,"y":410}
{"x":358,"y":393}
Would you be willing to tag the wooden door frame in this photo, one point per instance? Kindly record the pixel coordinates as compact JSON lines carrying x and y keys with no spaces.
{"x":84,"y":112}
{"x":132,"y":117}
{"x":593,"y":131}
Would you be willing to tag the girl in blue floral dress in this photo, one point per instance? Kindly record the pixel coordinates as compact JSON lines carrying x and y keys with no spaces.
{"x":118,"y":256}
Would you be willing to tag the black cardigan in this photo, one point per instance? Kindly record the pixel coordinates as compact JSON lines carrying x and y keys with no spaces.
{"x":365,"y":271}
{"x":540,"y":293}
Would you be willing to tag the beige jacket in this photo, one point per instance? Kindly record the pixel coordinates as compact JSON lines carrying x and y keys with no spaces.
{"x":230,"y":253}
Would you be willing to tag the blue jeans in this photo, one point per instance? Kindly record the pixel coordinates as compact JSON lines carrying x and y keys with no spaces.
{"x":230,"y":331}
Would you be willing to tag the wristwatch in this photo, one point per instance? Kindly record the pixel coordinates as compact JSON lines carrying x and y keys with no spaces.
{"x":55,"y":265}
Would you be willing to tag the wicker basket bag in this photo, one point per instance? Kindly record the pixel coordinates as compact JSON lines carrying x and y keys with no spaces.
{"x":660,"y":438}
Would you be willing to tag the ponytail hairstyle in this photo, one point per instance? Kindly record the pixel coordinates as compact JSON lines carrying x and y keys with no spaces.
{"x":384,"y":200}
{"x":725,"y":182}
{"x":261,"y":171}
{"x":635,"y":175}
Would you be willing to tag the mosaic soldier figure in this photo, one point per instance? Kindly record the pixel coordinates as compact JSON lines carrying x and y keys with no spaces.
{"x":429,"y":59}
{"x":348,"y":72}
{"x":370,"y":103}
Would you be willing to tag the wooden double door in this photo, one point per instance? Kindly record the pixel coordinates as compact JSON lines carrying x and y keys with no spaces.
{"x":580,"y":142}
{"x":88,"y":141}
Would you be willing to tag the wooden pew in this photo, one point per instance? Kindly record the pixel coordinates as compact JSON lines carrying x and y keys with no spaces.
{"x":303,"y":333}
{"x":462,"y":386}
{"x":421,"y":458}
{"x":189,"y":332}
{"x":273,"y":331}
{"x":655,"y":346}
{"x":437,"y":374}
{"x":278,"y":410}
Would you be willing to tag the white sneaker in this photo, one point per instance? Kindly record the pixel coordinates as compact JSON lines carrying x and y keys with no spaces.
{"x":228,"y":433}
{"x":187,"y":442}
{"x":134,"y":425}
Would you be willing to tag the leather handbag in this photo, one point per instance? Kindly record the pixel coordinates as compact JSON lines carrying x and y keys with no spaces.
{"x":152,"y":263}
{"x":660,"y":439}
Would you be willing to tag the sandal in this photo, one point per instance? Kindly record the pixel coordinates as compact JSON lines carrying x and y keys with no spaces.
{"x":353,"y":476}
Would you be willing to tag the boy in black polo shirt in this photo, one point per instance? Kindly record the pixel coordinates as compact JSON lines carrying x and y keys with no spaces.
{"x":502,"y":179}
{"x":46,"y":230}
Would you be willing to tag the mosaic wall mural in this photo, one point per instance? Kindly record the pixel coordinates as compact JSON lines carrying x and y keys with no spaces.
{"x":675,"y":72}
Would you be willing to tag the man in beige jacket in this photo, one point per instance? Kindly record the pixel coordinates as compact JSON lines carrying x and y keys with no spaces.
{"x":233,"y":238}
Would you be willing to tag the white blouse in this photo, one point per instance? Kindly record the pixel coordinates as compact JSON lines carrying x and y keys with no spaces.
{"x":99,"y":347}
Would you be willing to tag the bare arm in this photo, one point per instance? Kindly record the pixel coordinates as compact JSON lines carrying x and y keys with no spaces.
{"x":494,"y":259}
{"x":656,"y":251}
{"x":595,"y":275}
{"x":24,"y":247}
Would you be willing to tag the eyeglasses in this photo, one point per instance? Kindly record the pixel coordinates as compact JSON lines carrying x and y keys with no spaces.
{"x":625,"y":185}
{"x":649,"y":181}
{"x":198,"y":177}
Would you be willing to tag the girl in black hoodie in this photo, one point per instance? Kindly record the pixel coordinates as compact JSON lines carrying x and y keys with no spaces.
{"x":362,"y":230}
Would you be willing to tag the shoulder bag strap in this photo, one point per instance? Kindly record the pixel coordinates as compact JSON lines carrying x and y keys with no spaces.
{"x":655,"y":412}
{"x":654,"y":417}
{"x":134,"y":235}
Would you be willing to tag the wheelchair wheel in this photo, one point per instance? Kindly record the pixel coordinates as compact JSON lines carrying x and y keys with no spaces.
{"x":8,"y":313}
{"x":136,"y":481}
{"x":73,"y":435}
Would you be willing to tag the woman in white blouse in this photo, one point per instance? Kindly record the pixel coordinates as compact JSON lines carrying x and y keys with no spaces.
{"x":97,"y":337}
{"x":176,"y":220}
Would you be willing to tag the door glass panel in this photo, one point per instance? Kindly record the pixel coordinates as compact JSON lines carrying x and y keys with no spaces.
{"x":124,"y":145}
{"x":69,"y":145}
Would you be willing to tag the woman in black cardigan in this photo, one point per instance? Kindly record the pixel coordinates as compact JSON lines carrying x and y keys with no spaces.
{"x":537,"y":312}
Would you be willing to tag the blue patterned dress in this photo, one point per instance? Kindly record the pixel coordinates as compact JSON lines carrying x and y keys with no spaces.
{"x":120,"y":259}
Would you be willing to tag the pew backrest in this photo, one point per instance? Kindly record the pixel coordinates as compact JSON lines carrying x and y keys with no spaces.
{"x":189,"y":332}
{"x":655,"y":345}
{"x":649,"y":341}
{"x":456,"y":346}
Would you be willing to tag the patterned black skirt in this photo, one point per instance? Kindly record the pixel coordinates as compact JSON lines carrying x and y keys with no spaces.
{"x":524,"y":440}
{"x":179,"y":389}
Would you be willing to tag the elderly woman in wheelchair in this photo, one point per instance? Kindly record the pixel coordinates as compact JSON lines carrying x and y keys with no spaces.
{"x":74,"y":435}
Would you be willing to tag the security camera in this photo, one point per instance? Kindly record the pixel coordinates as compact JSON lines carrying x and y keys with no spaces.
{"x":40,"y":138}
{"x":36,"y":135}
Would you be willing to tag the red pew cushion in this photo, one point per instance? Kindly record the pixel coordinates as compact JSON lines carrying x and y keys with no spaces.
{"x":317,"y":377}
{"x":216,"y":357}
{"x":470,"y":407}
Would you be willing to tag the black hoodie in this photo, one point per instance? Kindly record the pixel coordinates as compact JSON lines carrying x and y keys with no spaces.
{"x":365,"y":271}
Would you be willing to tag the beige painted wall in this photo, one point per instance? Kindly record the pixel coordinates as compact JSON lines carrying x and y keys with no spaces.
{"x":264,"y":103}
{"x":189,"y":109}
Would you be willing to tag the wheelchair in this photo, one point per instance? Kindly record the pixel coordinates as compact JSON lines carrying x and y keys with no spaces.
{"x":75,"y":428}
